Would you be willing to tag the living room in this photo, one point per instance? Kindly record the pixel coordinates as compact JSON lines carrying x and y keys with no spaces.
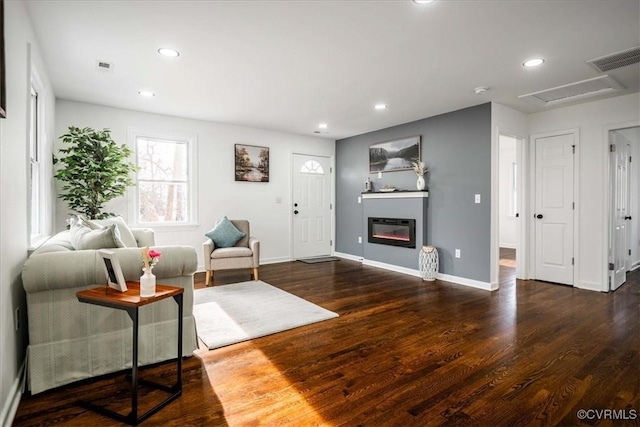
{"x":459,"y":136}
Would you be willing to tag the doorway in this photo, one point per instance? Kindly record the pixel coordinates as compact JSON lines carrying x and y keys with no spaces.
{"x":311,"y":206}
{"x":508,"y":203}
{"x":624,"y":204}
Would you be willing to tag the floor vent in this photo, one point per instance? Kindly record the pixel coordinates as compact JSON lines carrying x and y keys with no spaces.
{"x":616,"y":60}
{"x":584,"y":89}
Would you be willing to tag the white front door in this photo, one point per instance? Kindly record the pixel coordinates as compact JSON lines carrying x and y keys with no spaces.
{"x":619,"y":240}
{"x":554,"y":208}
{"x":311,"y":206}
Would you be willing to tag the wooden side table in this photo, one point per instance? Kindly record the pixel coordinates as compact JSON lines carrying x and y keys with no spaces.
{"x":130,"y":301}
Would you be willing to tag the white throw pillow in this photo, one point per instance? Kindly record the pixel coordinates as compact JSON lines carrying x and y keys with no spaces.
{"x":83,"y":238}
{"x":125,"y":232}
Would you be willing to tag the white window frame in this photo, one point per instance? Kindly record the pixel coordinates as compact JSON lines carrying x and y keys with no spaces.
{"x":35,"y":155}
{"x":133,"y":133}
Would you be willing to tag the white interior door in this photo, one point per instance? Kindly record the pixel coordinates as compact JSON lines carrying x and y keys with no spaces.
{"x":311,"y":206}
{"x":554,"y":208}
{"x":619,"y":236}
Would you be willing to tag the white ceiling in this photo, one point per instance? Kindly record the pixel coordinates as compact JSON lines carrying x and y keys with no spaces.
{"x":290,"y":65}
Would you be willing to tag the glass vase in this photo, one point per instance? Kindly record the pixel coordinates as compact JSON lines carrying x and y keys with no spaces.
{"x":147,"y":283}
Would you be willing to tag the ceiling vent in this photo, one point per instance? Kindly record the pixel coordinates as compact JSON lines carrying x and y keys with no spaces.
{"x":104,"y":66}
{"x":584,"y":89}
{"x":616,"y":60}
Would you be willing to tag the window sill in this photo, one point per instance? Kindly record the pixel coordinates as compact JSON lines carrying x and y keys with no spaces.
{"x":36,"y":242}
{"x":167,"y":228}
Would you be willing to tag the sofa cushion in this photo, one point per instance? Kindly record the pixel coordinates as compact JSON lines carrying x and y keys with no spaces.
{"x":231,"y":253}
{"x":124,"y":231}
{"x":82,"y":238}
{"x":224,"y":234}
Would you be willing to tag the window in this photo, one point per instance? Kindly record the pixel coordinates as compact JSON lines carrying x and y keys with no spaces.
{"x":36,"y":168}
{"x":313,"y":167}
{"x":165,"y":191}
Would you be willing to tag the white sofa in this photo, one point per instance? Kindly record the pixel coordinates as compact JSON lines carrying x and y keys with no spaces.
{"x":70,"y":340}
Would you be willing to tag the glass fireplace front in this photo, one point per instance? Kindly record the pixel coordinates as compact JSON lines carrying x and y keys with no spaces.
{"x":393,"y":231}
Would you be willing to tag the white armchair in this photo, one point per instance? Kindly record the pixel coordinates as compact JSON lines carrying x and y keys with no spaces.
{"x":245,"y":254}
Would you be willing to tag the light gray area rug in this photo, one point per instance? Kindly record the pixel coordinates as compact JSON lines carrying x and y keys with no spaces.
{"x":230,"y":314}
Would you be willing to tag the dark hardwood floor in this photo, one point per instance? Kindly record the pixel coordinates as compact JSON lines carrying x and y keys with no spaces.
{"x":402,"y":353}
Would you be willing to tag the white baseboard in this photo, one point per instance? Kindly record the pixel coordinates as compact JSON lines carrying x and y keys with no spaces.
{"x":444,"y":277}
{"x":10,"y":406}
{"x":348,"y":256}
{"x":201,"y":269}
{"x":391,"y":267}
{"x":589,"y":286}
{"x":486,"y":286}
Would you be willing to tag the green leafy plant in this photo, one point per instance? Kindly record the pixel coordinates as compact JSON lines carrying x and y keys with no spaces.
{"x":94,"y":170}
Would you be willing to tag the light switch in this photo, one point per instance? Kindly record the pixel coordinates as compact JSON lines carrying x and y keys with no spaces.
{"x":359,"y":199}
{"x":380,"y":175}
{"x":477,"y":198}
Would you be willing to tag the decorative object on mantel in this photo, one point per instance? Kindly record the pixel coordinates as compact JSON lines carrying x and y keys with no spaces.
{"x":428,"y":263}
{"x":148,"y":280}
{"x":420,"y":170}
{"x":394,"y":155}
{"x":387,"y":189}
{"x":367,"y":185}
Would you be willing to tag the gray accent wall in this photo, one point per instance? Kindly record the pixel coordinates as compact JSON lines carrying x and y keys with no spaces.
{"x":456,"y":148}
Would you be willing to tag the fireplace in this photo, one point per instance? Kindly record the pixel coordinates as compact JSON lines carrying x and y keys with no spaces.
{"x":393,"y":231}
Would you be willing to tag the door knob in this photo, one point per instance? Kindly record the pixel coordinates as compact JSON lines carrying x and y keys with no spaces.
{"x":539,"y":216}
{"x":295,"y":204}
{"x":627,"y":217}
{"x":295,"y":212}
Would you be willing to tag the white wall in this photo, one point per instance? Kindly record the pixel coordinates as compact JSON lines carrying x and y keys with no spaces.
{"x":219,"y":194}
{"x":591,"y":120}
{"x":508,"y":222}
{"x":20,"y":46}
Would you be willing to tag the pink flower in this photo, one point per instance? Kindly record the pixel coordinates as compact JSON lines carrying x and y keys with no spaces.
{"x":153,"y":254}
{"x":150,"y":257}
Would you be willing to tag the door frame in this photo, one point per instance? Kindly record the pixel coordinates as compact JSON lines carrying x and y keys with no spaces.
{"x":332,"y":216}
{"x":576,"y":195}
{"x":607,"y":196}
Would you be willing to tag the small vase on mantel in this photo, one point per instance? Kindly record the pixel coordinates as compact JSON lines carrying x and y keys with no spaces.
{"x":147,"y":283}
{"x":420,"y":184}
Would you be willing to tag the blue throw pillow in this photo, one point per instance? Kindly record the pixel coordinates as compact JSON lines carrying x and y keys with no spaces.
{"x":224,"y":234}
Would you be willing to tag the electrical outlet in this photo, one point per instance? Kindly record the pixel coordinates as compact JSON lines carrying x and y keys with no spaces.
{"x":360,"y":239}
{"x":477,"y":198}
{"x":379,"y":175}
{"x":16,"y":320}
{"x":457,"y":253}
{"x":278,"y":200}
{"x":359,"y":199}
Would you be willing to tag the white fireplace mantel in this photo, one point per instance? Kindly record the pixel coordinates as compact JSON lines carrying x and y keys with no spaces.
{"x":397,"y":195}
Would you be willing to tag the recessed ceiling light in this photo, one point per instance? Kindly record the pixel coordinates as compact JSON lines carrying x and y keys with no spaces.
{"x":323,"y":125}
{"x":423,"y":1}
{"x":380,"y":106}
{"x":167,"y":51}
{"x":533,"y":62}
{"x":146,"y":93}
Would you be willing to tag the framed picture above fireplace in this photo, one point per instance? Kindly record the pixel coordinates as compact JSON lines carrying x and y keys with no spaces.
{"x":395,"y":155}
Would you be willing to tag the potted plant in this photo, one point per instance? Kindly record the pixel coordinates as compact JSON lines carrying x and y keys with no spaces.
{"x":94,"y":170}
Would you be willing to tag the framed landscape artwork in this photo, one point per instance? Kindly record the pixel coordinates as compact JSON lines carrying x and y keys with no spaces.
{"x":3,"y":77}
{"x":251,"y":163}
{"x":394,"y":155}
